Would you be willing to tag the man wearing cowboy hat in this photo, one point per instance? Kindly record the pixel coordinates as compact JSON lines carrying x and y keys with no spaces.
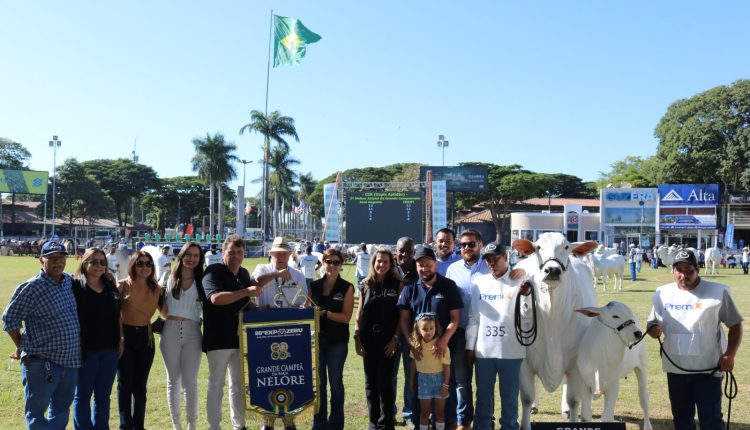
{"x":689,"y":312}
{"x":272,"y":294}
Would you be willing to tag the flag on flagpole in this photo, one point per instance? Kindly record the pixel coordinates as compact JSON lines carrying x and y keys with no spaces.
{"x":290,"y":40}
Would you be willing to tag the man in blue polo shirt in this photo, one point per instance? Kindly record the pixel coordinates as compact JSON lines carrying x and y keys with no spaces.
{"x":431,"y":292}
{"x":50,"y":346}
{"x":462,"y":272}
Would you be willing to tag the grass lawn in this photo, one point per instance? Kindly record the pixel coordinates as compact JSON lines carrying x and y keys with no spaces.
{"x":637,"y":295}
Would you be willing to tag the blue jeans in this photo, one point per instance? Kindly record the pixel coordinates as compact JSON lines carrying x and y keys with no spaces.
{"x":632,"y":271}
{"x":488,"y":369}
{"x":331,"y":358}
{"x":638,"y":266}
{"x":95,"y":376}
{"x":410,"y":399}
{"x":462,"y":371}
{"x":688,"y":392}
{"x":47,"y":387}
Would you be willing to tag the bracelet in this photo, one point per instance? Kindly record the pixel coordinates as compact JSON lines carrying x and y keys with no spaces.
{"x":325,"y":313}
{"x":122,"y":338}
{"x":445,"y":386}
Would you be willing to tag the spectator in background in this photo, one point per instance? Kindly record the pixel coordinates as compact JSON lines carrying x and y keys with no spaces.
{"x":335,"y":298}
{"x":112,"y":263}
{"x":632,"y":259}
{"x":309,"y":264}
{"x":102,"y":339}
{"x":213,"y":256}
{"x":362,"y":262}
{"x":50,"y":346}
{"x":745,"y":259}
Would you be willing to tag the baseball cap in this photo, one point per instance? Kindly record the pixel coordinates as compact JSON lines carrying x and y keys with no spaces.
{"x":53,"y":247}
{"x":684,"y":256}
{"x":493,"y":249}
{"x":424,"y":251}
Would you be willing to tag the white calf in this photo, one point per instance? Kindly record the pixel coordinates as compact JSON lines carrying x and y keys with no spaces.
{"x":604,"y":358}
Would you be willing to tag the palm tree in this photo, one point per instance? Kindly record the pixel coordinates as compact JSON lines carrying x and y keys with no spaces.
{"x":306,"y":187}
{"x":273,"y":127}
{"x":282,"y":179}
{"x":213,"y":161}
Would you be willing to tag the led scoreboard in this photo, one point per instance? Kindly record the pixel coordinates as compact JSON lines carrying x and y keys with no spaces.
{"x":382,"y":217}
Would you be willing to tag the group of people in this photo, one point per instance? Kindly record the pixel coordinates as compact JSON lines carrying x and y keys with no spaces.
{"x":445,"y":318}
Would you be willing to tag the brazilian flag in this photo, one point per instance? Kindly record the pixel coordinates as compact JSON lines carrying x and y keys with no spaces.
{"x":290,"y":40}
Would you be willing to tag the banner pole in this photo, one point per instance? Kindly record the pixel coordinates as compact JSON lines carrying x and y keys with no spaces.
{"x":266,"y":143}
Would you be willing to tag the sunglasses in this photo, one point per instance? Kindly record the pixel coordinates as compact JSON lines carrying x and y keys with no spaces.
{"x":333,"y":262}
{"x":468,"y":244}
{"x":97,"y":262}
{"x":141,"y":263}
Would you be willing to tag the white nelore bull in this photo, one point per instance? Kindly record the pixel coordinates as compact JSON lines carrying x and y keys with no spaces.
{"x":604,"y":358}
{"x":608,"y":265}
{"x":122,"y":261}
{"x":561,"y":285}
{"x":712,"y":259}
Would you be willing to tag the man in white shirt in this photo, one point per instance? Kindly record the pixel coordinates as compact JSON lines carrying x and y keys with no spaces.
{"x":490,"y":340}
{"x":309,"y":264}
{"x":362,"y":262}
{"x":277,"y":292}
{"x":689,"y":312}
{"x":213,"y":256}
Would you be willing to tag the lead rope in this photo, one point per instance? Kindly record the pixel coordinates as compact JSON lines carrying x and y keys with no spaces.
{"x":526,"y":337}
{"x":730,"y":383}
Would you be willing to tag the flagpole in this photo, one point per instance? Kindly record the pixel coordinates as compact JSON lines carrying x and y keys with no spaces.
{"x":265,"y":140}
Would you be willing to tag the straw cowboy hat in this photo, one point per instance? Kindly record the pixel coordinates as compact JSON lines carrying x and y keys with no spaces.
{"x":280,"y":245}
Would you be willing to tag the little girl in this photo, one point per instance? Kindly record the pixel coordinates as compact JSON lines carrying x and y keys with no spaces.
{"x":432,"y":372}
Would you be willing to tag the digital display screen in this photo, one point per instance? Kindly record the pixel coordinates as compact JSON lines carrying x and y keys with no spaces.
{"x":382,"y":217}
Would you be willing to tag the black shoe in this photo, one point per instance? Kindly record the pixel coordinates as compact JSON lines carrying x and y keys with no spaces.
{"x":292,"y":427}
{"x":266,"y":428}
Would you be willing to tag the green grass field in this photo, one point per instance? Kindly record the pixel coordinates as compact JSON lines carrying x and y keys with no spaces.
{"x":637,"y":295}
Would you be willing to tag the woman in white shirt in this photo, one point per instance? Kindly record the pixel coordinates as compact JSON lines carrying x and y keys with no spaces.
{"x":181,"y":338}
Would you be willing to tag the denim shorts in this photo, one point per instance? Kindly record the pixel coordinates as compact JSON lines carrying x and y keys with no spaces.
{"x":428,"y":385}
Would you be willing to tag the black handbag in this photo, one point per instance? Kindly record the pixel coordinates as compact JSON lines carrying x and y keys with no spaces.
{"x":158,"y":325}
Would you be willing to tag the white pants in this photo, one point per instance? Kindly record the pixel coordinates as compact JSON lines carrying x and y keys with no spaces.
{"x":180,"y":346}
{"x":218,"y":362}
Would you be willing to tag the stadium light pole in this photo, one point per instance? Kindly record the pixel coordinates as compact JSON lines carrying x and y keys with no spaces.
{"x":640,"y":237}
{"x":442,"y":143}
{"x":54,"y":144}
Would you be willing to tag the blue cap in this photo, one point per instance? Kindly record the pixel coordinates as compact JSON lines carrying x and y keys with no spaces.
{"x":53,"y":247}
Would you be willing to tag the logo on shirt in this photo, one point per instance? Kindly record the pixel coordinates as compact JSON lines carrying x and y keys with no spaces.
{"x":439,"y":296}
{"x":338,"y":296}
{"x":391,"y":293}
{"x":680,"y":307}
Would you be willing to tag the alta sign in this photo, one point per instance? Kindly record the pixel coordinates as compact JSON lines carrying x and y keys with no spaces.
{"x":689,"y":194}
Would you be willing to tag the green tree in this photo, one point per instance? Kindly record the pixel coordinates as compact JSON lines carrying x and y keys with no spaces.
{"x":282,"y":180}
{"x":274,"y":127}
{"x":122,"y":180}
{"x":79,"y":196}
{"x":13,"y":155}
{"x":213,"y":161}
{"x":706,"y":138}
{"x":638,"y":172}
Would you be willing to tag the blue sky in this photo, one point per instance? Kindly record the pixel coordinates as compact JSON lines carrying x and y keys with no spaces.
{"x":554,"y":86}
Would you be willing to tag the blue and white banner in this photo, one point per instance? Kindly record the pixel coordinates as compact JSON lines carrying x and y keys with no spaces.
{"x":729,"y":235}
{"x":439,"y":206}
{"x":688,"y":195}
{"x":280,"y":368}
{"x":332,"y":210}
{"x":687,"y":222}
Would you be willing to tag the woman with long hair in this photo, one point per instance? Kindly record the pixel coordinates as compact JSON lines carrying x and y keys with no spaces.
{"x":102,"y":344}
{"x":140,"y":299}
{"x":376,"y":336}
{"x":181,"y":339}
{"x":335,"y":299}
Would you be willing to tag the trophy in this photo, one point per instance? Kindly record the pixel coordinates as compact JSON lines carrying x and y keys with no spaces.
{"x":290,"y":296}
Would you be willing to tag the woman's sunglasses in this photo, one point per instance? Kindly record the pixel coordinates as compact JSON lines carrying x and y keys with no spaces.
{"x":333,"y":262}
{"x":97,"y":262}
{"x":141,"y":263}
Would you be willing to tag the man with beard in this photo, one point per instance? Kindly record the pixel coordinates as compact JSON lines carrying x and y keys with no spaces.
{"x":462,"y":272}
{"x":431,"y":292}
{"x":445,"y":242}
